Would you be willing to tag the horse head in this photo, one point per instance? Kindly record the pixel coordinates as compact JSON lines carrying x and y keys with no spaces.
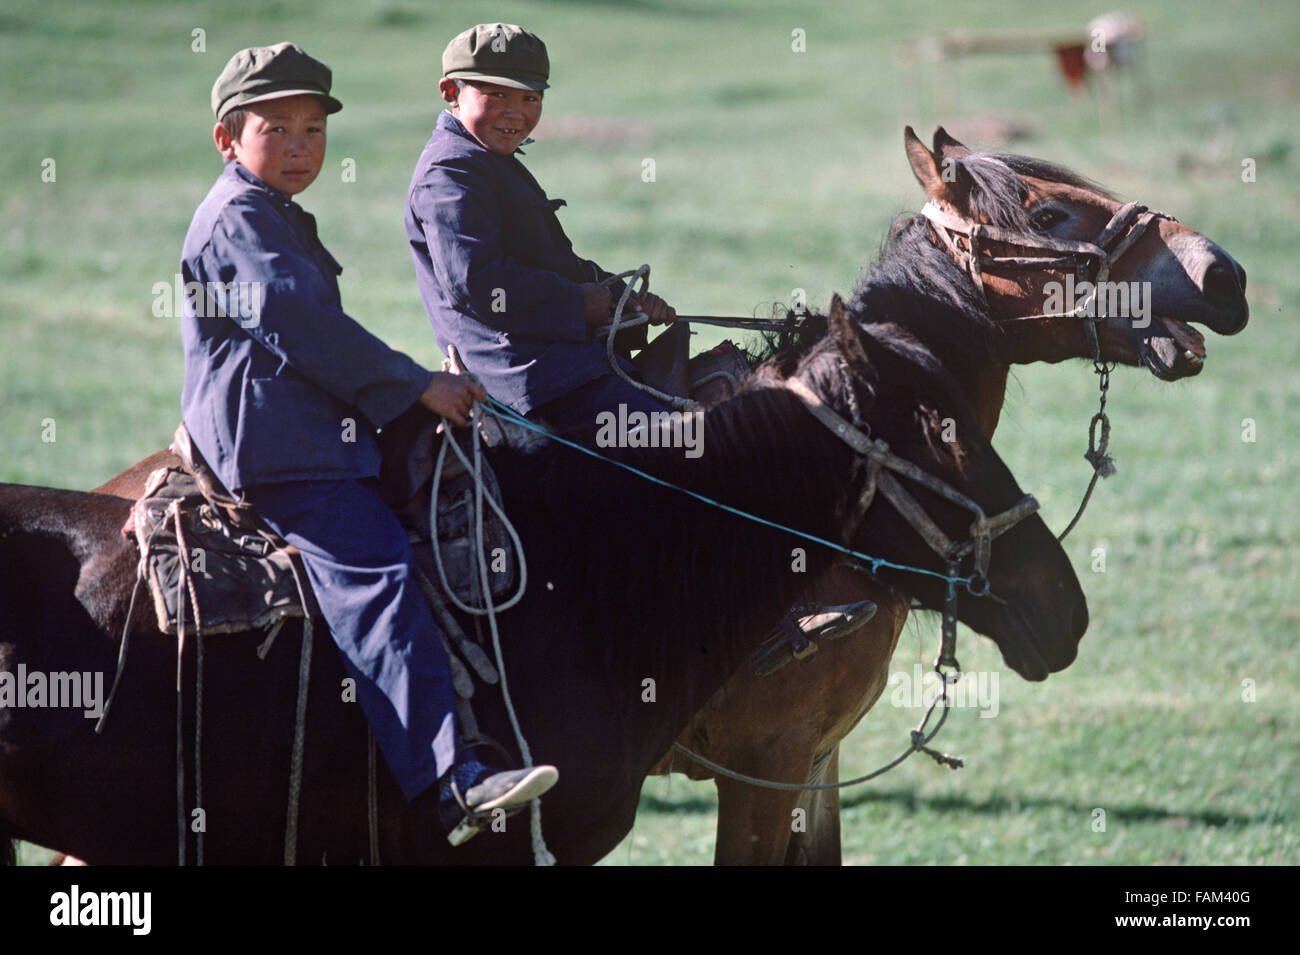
{"x":941,"y":513}
{"x":1040,"y":241}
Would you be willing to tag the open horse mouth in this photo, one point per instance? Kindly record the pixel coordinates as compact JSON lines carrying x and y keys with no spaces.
{"x":1173,"y":350}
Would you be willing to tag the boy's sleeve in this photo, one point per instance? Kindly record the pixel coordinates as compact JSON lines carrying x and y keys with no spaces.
{"x":599,"y":275}
{"x":460,"y":215}
{"x":297,"y":318}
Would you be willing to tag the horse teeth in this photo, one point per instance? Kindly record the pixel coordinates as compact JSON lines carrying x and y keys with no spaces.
{"x":1194,"y":359}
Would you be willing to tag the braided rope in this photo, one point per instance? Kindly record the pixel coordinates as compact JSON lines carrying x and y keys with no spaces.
{"x":676,"y":402}
{"x":542,"y":856}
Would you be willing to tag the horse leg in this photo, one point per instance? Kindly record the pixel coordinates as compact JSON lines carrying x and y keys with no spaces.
{"x":8,"y":848}
{"x":819,"y":843}
{"x":755,"y":823}
{"x":747,"y":834}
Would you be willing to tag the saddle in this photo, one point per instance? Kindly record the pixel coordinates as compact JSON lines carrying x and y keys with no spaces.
{"x":708,"y":378}
{"x":203,"y":547}
{"x":203,"y":551}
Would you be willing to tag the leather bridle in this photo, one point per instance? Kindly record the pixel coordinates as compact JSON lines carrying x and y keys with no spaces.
{"x":1089,"y":261}
{"x":879,"y":461}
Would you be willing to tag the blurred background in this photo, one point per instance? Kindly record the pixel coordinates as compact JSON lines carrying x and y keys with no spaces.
{"x":776,"y":134}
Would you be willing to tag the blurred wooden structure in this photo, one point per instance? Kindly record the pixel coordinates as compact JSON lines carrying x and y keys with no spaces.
{"x":1092,"y":59}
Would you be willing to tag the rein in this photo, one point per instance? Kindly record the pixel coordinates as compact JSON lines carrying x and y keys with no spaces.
{"x":1090,"y":262}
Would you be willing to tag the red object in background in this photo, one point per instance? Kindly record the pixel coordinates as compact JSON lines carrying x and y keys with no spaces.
{"x":1071,"y":63}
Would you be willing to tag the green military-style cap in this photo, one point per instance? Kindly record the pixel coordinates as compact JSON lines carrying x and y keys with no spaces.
{"x":500,"y":53}
{"x":260,"y":73}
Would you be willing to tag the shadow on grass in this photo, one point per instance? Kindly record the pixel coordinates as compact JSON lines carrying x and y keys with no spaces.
{"x":998,"y":805}
{"x":691,"y":804}
{"x":994,"y":806}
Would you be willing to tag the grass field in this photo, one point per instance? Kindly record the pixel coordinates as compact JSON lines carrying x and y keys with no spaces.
{"x":774,"y":170}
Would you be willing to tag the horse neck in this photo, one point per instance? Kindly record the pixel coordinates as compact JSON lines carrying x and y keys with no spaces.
{"x":979,"y":374}
{"x":672,"y":589}
{"x":985,"y":390}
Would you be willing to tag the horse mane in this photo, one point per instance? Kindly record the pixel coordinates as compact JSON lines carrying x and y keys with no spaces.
{"x":913,"y":300}
{"x":997,"y":193}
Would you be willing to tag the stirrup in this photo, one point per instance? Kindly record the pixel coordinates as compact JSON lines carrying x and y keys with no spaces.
{"x":793,"y":640}
{"x":532,"y":783}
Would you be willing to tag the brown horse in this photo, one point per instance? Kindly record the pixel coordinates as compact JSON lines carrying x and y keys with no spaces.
{"x":579,"y":648}
{"x":787,"y":726}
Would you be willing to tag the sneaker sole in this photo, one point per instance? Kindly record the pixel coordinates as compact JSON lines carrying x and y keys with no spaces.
{"x":538,"y":781}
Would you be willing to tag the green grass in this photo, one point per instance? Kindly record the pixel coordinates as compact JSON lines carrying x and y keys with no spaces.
{"x":774,"y":171}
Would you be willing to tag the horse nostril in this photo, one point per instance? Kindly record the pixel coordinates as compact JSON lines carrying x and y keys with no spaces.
{"x":1225,"y":283}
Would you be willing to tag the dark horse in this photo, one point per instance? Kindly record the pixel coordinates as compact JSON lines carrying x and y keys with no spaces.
{"x":630,"y":582}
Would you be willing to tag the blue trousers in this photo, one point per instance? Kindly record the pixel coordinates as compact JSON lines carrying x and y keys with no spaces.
{"x":360,"y":564}
{"x":573,"y":415}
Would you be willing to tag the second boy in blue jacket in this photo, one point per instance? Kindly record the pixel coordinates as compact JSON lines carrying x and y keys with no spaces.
{"x":498,"y":276}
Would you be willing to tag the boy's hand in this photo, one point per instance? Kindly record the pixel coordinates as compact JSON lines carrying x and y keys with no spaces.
{"x":451,"y":396}
{"x":597,"y":304}
{"x":660,"y":312}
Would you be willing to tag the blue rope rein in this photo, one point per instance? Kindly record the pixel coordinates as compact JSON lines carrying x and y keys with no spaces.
{"x":496,"y":408}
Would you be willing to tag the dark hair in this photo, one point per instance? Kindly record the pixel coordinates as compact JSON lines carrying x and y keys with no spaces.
{"x":462,"y":83}
{"x":234,"y":122}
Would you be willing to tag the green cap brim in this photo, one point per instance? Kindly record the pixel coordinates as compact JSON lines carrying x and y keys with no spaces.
{"x":331,"y":104}
{"x":510,"y":81}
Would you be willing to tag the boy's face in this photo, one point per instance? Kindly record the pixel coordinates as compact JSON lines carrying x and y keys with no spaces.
{"x":499,"y":117}
{"x":282,"y":143}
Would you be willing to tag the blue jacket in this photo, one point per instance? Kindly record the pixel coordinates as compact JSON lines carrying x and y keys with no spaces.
{"x":272,"y":379}
{"x":498,"y":276}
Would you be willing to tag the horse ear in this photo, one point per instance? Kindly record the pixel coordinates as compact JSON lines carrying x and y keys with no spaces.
{"x":946,"y":147}
{"x":846,"y":336}
{"x":940,"y":184}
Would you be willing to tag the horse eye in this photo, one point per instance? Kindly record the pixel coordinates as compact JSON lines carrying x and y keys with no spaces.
{"x":1046,"y":218}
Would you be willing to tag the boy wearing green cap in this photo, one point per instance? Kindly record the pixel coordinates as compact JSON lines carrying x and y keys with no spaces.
{"x":498,"y":276}
{"x":283,"y":396}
